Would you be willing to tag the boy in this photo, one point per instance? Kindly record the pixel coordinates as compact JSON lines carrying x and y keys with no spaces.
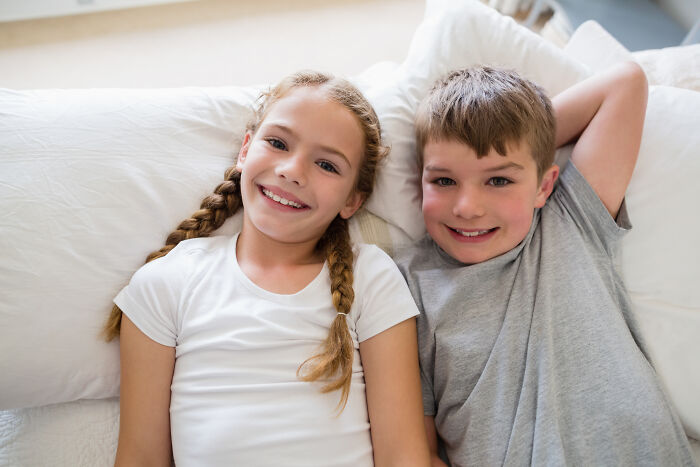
{"x":525,"y":344}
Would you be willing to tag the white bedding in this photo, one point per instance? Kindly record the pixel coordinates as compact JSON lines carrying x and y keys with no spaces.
{"x":72,"y":434}
{"x":80,"y":433}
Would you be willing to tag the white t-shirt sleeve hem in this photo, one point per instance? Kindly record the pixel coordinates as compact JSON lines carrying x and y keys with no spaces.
{"x":151,"y":300}
{"x":139,"y":316}
{"x":382,"y":296}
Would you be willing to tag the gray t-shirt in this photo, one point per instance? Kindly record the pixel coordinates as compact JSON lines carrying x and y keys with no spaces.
{"x":532,"y":357}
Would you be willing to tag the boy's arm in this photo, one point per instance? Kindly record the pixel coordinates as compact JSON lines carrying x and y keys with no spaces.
{"x":606,"y":114}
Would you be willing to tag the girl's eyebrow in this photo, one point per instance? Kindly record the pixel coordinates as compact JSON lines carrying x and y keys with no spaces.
{"x":329,"y":149}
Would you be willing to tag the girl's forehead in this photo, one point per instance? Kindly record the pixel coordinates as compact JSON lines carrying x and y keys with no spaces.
{"x":310,"y":114}
{"x":302,"y":94}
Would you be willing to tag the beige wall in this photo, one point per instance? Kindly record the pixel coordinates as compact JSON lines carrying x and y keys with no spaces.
{"x":205,"y":43}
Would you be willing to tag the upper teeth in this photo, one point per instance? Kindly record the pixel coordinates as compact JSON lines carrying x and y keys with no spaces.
{"x":279,"y":199}
{"x":472,"y":234}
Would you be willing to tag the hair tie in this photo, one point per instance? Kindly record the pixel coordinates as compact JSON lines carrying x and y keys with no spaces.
{"x":344,"y":314}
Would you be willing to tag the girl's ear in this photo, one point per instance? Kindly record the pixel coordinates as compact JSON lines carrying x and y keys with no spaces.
{"x":353,"y":203}
{"x":240,"y":160}
{"x":546,"y":185}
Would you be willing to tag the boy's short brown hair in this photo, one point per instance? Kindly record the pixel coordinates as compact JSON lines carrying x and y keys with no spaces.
{"x":486,"y":108}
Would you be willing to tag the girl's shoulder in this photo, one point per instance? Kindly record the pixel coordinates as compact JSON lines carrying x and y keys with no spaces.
{"x":185,"y":257}
{"x":175,"y":269}
{"x":200,"y":246}
{"x":372,"y":265}
{"x":370,"y":254}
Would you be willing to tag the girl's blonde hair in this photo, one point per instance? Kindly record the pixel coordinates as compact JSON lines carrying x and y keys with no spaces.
{"x":334,"y":361}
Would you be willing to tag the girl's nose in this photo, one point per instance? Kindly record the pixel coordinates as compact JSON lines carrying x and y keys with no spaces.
{"x":293,"y":168}
{"x":470,"y":204}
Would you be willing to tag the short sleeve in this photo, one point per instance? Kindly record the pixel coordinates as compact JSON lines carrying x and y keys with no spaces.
{"x":151,"y":298}
{"x":576,"y":199}
{"x":381,"y":293}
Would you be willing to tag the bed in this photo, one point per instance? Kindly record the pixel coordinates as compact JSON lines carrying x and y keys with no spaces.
{"x":92,"y":180}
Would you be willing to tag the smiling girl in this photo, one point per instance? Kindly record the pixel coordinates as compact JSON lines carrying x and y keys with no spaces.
{"x":283,"y":344}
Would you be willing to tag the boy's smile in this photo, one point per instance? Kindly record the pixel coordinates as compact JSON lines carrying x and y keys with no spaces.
{"x":477,"y":209}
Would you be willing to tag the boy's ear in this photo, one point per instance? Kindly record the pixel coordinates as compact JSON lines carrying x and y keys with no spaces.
{"x":243,"y":151}
{"x":546,"y":185}
{"x":353,"y":203}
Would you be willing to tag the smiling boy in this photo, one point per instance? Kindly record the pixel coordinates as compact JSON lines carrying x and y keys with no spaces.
{"x":529,"y":353}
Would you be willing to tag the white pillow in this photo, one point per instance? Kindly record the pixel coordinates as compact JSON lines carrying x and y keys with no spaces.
{"x":91,"y":181}
{"x":673,"y":66}
{"x":595,"y":47}
{"x":592,"y":45}
{"x":661,"y":255}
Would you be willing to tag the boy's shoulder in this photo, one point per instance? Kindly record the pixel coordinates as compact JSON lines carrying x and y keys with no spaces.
{"x":574,"y":201}
{"x":420,"y":254}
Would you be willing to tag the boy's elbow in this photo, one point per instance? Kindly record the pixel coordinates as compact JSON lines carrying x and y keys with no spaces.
{"x":634,"y":79}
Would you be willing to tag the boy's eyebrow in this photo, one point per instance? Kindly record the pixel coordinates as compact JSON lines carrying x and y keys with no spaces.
{"x":330,"y":149}
{"x":507,"y":165}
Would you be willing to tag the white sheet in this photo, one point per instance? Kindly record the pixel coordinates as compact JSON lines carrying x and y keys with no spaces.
{"x":81,"y":433}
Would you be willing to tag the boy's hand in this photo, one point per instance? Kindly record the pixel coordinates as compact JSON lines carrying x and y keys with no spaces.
{"x":606,"y":114}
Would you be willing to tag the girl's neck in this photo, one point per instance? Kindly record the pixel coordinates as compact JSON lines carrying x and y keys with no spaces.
{"x":264,"y":251}
{"x":277,"y":267}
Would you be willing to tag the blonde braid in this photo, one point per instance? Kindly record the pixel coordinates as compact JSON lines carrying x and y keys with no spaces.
{"x":334,"y":362}
{"x":214,"y":210}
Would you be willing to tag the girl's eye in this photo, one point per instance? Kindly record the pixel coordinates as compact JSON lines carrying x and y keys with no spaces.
{"x":444,"y":181}
{"x":277,"y":143}
{"x":327,"y":166}
{"x":499,"y":181}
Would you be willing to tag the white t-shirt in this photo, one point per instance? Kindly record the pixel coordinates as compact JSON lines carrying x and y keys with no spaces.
{"x":236,"y":399}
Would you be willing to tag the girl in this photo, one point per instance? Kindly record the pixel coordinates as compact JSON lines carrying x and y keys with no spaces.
{"x":246,"y":350}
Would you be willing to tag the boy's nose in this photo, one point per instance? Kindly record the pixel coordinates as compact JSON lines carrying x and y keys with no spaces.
{"x":469,"y":204}
{"x":292,"y":168}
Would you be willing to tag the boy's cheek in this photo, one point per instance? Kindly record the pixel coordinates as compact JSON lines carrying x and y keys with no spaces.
{"x":433,"y":216}
{"x":432,"y":203}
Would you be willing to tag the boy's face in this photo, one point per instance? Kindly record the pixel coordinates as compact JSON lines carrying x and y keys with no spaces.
{"x":477,"y":209}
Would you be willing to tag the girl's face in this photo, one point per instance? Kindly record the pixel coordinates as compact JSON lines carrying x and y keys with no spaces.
{"x":298,"y":170}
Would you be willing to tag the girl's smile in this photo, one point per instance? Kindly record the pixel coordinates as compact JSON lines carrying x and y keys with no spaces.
{"x":281,"y":199}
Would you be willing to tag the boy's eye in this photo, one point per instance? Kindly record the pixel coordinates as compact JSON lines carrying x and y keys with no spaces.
{"x":499,"y":181}
{"x":277,"y":143}
{"x":327,"y":166}
{"x":444,"y":181}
